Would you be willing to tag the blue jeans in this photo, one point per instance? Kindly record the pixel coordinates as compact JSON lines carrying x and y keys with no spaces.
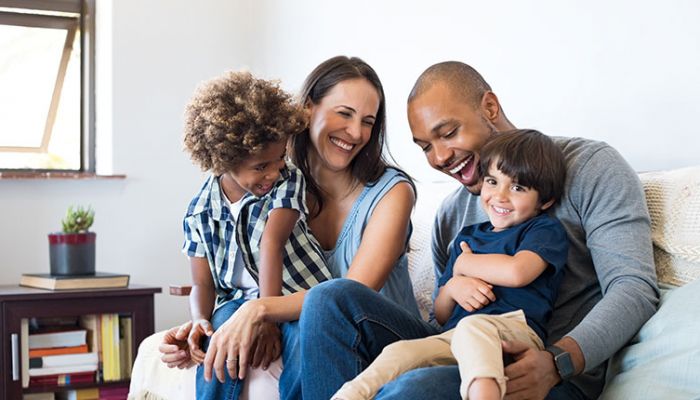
{"x":443,"y":383}
{"x":344,"y":327}
{"x":290,"y":382}
{"x":231,"y":388}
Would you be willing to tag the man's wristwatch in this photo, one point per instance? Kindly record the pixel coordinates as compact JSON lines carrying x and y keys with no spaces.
{"x":562,"y":360}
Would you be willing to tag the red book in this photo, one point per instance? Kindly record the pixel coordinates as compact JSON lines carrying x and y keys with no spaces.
{"x":62,"y":379}
{"x":114,"y":393}
{"x":54,"y":351}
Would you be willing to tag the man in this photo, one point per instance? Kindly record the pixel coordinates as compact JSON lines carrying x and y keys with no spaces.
{"x":608,"y":292}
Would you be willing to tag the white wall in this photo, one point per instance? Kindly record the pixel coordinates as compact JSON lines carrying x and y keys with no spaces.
{"x":625,"y":72}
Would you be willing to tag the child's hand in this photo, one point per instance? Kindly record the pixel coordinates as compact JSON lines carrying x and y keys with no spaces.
{"x":174,"y":349}
{"x":470,"y":293}
{"x":200,"y":328}
{"x":462,"y":260}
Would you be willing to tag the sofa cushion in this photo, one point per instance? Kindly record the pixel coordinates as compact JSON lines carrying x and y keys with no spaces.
{"x":673,"y":198}
{"x":663,"y":360}
{"x":420,"y":258}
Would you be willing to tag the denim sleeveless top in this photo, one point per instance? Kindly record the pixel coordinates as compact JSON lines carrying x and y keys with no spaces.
{"x":398,"y":285}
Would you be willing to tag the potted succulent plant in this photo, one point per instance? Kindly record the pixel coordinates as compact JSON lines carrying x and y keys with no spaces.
{"x":72,"y":252}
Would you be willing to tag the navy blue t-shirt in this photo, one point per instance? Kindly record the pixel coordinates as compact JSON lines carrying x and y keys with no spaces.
{"x":543,"y":235}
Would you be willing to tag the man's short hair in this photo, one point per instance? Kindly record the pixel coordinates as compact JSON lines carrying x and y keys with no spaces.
{"x":530,"y":158}
{"x":462,"y":79}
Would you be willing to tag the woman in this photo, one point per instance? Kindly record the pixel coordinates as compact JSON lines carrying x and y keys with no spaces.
{"x":360,"y":214}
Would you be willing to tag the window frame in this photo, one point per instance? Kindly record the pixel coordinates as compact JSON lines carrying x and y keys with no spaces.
{"x":86,"y":26}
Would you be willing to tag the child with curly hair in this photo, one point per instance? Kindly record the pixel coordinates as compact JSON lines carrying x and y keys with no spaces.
{"x":245,"y":231}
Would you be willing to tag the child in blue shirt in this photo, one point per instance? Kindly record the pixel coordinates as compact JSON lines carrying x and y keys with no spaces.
{"x":502,"y":277}
{"x":245,"y":230}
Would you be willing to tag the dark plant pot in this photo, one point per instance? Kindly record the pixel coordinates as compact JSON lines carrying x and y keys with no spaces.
{"x":72,"y":253}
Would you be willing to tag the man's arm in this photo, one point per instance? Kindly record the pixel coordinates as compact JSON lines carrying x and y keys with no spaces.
{"x":615,"y":219}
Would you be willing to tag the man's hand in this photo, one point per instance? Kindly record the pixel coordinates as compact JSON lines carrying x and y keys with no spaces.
{"x":267,"y":345}
{"x":470,"y":293}
{"x":532,"y":375}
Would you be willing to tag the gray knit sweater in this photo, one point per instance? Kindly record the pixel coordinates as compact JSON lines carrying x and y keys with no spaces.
{"x":609,"y":288}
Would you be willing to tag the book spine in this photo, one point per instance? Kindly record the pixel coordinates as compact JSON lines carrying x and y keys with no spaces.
{"x":53,"y":351}
{"x":57,"y":339}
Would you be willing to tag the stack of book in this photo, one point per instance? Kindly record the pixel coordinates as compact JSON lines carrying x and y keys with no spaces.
{"x":111,"y":338}
{"x":60,"y":357}
{"x":88,"y":349}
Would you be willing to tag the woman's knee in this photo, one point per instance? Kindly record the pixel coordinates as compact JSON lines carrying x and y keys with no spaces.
{"x":334,"y":291}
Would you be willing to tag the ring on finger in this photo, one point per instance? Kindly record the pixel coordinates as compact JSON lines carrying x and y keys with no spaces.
{"x":233,"y":360}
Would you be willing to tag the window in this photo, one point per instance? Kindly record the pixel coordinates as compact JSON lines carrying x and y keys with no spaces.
{"x":47,"y":85}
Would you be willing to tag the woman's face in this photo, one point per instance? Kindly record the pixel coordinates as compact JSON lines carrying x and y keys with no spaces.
{"x":341,"y":123}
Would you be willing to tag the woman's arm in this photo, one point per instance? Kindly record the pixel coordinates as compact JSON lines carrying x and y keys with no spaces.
{"x":384,"y":238}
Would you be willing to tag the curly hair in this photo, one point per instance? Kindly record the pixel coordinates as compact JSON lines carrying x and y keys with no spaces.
{"x":233,"y":117}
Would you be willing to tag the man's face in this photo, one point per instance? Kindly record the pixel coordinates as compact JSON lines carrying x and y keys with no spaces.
{"x":450,"y":131}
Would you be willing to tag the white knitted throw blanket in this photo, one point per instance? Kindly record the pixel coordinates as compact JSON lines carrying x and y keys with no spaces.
{"x":673,"y":198}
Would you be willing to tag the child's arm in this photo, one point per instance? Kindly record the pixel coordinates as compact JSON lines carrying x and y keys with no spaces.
{"x":202,"y":299}
{"x":278,"y":228}
{"x":500,"y":269}
{"x":470,"y":293}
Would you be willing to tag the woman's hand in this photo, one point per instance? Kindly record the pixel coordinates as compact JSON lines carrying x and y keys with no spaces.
{"x":267,"y":345}
{"x":230,"y":346}
{"x":174,"y":348}
{"x":470,"y":293}
{"x":200,"y":328}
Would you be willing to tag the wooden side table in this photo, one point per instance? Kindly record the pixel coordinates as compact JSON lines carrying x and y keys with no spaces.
{"x":18,"y":302}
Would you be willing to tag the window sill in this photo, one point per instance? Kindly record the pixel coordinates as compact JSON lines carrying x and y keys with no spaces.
{"x":7,"y":175}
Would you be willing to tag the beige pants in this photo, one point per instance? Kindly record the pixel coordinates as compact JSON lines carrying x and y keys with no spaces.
{"x":474,"y":344}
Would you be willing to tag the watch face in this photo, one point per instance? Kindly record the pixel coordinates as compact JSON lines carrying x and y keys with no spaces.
{"x":564,"y":365}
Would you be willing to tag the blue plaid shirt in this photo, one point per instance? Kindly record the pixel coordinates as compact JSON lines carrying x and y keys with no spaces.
{"x":209,"y":228}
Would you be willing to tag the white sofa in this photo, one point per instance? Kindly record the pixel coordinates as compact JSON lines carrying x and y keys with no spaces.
{"x":661,"y":362}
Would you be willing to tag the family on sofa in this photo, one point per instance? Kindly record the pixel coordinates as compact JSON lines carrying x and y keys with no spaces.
{"x":259,"y":221}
